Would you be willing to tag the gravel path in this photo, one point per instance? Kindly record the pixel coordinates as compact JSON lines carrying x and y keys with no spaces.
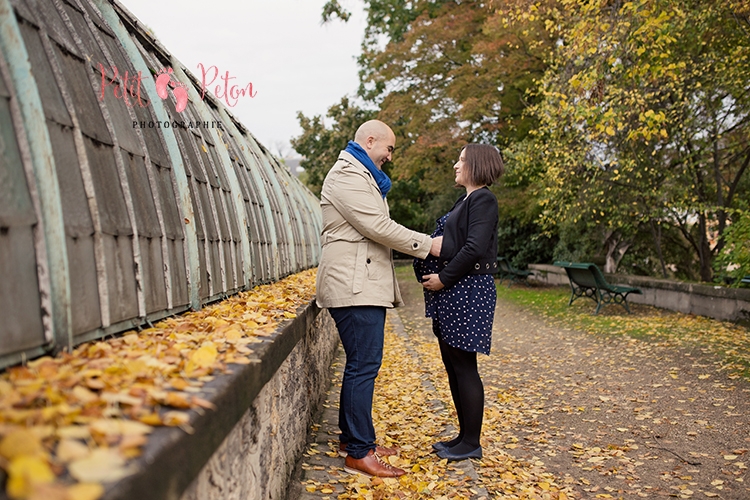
{"x":606,"y":417}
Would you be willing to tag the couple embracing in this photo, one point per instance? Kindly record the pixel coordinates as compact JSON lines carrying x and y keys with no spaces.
{"x":357,"y":283}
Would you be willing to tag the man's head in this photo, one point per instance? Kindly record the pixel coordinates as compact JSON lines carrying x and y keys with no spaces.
{"x":377,"y":139}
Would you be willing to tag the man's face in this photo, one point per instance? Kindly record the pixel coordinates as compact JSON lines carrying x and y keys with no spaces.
{"x":379,"y":150}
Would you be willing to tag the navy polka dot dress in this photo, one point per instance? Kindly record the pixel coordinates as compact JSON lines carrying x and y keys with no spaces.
{"x":462,"y":315}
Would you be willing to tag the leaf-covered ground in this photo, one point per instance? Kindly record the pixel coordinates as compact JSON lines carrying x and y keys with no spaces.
{"x":73,"y":422}
{"x":728,"y":342}
{"x":646,"y":405}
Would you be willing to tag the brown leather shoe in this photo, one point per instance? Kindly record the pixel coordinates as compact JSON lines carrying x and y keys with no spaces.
{"x":380,"y":450}
{"x":371,"y":465}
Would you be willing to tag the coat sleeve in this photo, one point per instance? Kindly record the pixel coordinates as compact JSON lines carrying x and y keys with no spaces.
{"x":355,"y":200}
{"x":483,"y":218}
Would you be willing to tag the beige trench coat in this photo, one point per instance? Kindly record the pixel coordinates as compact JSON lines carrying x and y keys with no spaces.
{"x":356,"y":265}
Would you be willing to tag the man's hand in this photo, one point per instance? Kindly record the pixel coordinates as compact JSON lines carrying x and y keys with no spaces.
{"x":432,"y":282}
{"x":437,"y":244}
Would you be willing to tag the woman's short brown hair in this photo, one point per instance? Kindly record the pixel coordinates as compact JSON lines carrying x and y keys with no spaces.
{"x":485,"y":164}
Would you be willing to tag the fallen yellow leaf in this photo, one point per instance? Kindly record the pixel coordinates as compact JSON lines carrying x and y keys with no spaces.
{"x":117,"y":427}
{"x":101,"y":466}
{"x":177,"y":400}
{"x":69,"y":450}
{"x":151,"y":419}
{"x":85,"y":491}
{"x":84,"y":395}
{"x":176,"y":418}
{"x":48,"y":491}
{"x":20,"y":442}
{"x":106,"y":393}
{"x":233,"y":334}
{"x":24,"y":471}
{"x":74,"y":432}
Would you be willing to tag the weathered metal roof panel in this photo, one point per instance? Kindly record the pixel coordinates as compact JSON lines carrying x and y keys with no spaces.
{"x":75,"y":204}
{"x":116,"y":204}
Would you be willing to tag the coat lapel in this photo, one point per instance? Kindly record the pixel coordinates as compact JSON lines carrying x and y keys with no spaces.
{"x":349,"y":158}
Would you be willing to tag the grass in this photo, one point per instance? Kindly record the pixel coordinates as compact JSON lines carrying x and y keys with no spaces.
{"x":552,"y":302}
{"x":729,"y":341}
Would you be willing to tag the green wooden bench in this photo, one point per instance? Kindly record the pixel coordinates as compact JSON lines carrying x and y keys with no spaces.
{"x":587,"y":280}
{"x":745,"y":280}
{"x":506,"y":270}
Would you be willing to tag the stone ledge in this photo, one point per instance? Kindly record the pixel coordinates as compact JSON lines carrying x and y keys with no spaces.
{"x":683,"y":286}
{"x":173,"y":459}
{"x":548,"y":274}
{"x":717,"y":302}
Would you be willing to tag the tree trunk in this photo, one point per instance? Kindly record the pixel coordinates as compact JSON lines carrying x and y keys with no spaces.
{"x":615,"y":249}
{"x":657,"y":240}
{"x":704,"y":250}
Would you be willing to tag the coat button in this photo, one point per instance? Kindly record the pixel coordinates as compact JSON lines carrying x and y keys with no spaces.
{"x":415,"y":245}
{"x":476,"y":266}
{"x":368,"y":261}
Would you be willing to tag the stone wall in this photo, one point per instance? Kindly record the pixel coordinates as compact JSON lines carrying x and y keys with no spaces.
{"x":732,"y":304}
{"x":257,"y":458}
{"x":248,"y":447}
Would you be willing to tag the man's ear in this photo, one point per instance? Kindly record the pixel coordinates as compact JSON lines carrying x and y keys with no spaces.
{"x":370,"y":141}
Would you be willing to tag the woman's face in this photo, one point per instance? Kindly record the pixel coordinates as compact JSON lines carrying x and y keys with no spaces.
{"x":462,"y":170}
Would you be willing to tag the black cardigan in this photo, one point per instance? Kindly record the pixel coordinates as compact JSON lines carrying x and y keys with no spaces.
{"x":470,"y":238}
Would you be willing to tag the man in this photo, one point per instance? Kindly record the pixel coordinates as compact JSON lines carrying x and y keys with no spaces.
{"x":357,"y":282}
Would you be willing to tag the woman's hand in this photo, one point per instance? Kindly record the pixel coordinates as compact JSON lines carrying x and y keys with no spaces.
{"x":432,"y":282}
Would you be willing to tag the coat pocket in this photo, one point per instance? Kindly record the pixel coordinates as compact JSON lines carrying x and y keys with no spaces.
{"x":360,"y":268}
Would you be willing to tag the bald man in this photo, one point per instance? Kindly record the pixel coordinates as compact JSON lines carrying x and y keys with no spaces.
{"x":357,"y":282}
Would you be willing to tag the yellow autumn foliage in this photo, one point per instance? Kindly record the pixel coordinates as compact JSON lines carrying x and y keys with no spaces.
{"x":90,"y":411}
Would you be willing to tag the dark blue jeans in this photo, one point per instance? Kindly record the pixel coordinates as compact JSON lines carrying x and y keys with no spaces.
{"x":361,"y":332}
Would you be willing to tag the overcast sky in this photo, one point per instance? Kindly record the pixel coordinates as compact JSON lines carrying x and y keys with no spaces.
{"x":294,"y":62}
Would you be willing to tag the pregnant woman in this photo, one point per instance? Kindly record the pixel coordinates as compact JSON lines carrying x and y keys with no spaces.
{"x":460,"y":292}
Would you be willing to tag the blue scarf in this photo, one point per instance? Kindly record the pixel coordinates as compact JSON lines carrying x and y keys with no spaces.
{"x":357,"y":151}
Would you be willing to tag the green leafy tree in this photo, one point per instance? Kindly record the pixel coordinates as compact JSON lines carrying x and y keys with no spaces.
{"x":644,"y":119}
{"x":637,"y":135}
{"x":443,"y":74}
{"x":734,"y":260}
{"x":320,"y":145}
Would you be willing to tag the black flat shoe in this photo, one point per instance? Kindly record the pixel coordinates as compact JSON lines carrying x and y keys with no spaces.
{"x":453,"y":457}
{"x":442,"y":445}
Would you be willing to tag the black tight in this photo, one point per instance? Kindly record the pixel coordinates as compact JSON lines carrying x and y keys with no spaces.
{"x":468,"y":396}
